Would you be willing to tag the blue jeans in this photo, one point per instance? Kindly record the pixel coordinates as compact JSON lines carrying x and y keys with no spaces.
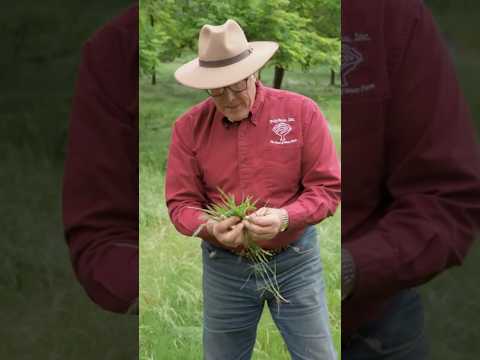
{"x":233,"y":303}
{"x":397,"y":335}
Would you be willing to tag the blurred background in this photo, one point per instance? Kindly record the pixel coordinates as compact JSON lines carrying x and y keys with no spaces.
{"x":451,"y":300}
{"x":170,"y":264}
{"x":46,"y":314}
{"x":44,"y":311}
{"x":457,"y":20}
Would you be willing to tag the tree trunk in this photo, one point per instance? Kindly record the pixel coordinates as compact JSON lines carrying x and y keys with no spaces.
{"x":277,"y":80}
{"x":154,"y":70}
{"x":332,"y":77}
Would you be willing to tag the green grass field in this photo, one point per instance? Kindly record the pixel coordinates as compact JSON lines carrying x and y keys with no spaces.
{"x":451,"y":300}
{"x":170,"y":264}
{"x":44,"y":311}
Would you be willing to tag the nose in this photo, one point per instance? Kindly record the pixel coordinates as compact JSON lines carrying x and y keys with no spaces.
{"x":229,"y":95}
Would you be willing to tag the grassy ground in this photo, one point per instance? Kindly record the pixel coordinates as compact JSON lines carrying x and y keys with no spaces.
{"x":451,"y":300}
{"x":170,"y":264}
{"x":44,"y":311}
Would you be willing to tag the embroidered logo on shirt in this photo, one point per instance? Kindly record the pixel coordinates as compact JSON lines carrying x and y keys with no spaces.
{"x":282,"y":128}
{"x":351,"y":58}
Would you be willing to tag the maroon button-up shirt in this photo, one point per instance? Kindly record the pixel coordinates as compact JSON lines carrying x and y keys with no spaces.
{"x":410,"y":163}
{"x":100,"y":194}
{"x":282,"y":156}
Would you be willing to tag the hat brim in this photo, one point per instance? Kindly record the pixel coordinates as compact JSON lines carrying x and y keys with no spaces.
{"x":193,"y":75}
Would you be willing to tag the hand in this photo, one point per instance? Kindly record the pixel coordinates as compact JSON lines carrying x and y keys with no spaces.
{"x":228,"y":232}
{"x":265,"y":223}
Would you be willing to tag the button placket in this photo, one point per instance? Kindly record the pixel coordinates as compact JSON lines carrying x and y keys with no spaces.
{"x":243,"y":154}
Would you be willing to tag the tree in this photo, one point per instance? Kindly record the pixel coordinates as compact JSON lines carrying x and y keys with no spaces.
{"x":150,"y":39}
{"x":325,"y":16}
{"x":161,"y":38}
{"x":295,"y":26}
{"x":290,"y":25}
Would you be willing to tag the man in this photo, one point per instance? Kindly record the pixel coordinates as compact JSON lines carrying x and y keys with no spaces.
{"x":100,"y":188}
{"x":250,"y":140}
{"x":411,"y":178}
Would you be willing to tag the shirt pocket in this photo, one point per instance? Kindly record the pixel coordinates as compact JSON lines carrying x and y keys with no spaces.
{"x":282,"y":169}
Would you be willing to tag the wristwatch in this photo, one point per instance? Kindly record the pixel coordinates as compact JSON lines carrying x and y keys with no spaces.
{"x":348,"y":274}
{"x":284,"y":219}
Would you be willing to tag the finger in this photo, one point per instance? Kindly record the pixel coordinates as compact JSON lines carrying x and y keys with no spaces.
{"x":240,"y":239}
{"x":262,"y":239}
{"x":263,"y":211}
{"x":225,"y":225}
{"x":235,"y":233}
{"x":257,"y":238}
{"x":265,"y":221}
{"x":257,"y":230}
{"x":260,"y":212}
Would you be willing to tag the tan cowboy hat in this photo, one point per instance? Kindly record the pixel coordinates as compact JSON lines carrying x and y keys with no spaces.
{"x":224,"y":57}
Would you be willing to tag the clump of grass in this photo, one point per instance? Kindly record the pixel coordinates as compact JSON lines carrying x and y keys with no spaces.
{"x":256,"y":254}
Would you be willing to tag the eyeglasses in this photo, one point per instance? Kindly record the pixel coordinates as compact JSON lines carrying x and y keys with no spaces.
{"x":236,"y":88}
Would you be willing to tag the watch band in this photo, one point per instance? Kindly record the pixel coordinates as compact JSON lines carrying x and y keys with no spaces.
{"x":284,"y":218}
{"x":348,"y":274}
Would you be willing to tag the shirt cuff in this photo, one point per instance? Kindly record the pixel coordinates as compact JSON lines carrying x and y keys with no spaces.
{"x":296,"y":216}
{"x":375,"y":266}
{"x":114,"y":285}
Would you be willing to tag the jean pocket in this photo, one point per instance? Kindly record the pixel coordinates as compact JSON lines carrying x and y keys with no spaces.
{"x":307,"y":243}
{"x":401,"y":330}
{"x":208,"y":250}
{"x":212,"y":252}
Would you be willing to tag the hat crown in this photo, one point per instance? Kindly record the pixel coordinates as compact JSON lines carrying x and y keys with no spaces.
{"x":221,"y":42}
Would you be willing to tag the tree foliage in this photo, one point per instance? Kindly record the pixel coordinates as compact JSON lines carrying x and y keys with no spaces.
{"x":308,"y":31}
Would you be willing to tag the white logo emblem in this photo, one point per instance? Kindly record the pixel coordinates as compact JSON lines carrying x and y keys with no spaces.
{"x":350,"y":60}
{"x":282,"y":128}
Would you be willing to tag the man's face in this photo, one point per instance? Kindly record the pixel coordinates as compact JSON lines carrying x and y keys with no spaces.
{"x":236,"y":105}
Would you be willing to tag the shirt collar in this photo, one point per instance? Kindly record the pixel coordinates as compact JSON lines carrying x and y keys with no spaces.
{"x":255,"y":110}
